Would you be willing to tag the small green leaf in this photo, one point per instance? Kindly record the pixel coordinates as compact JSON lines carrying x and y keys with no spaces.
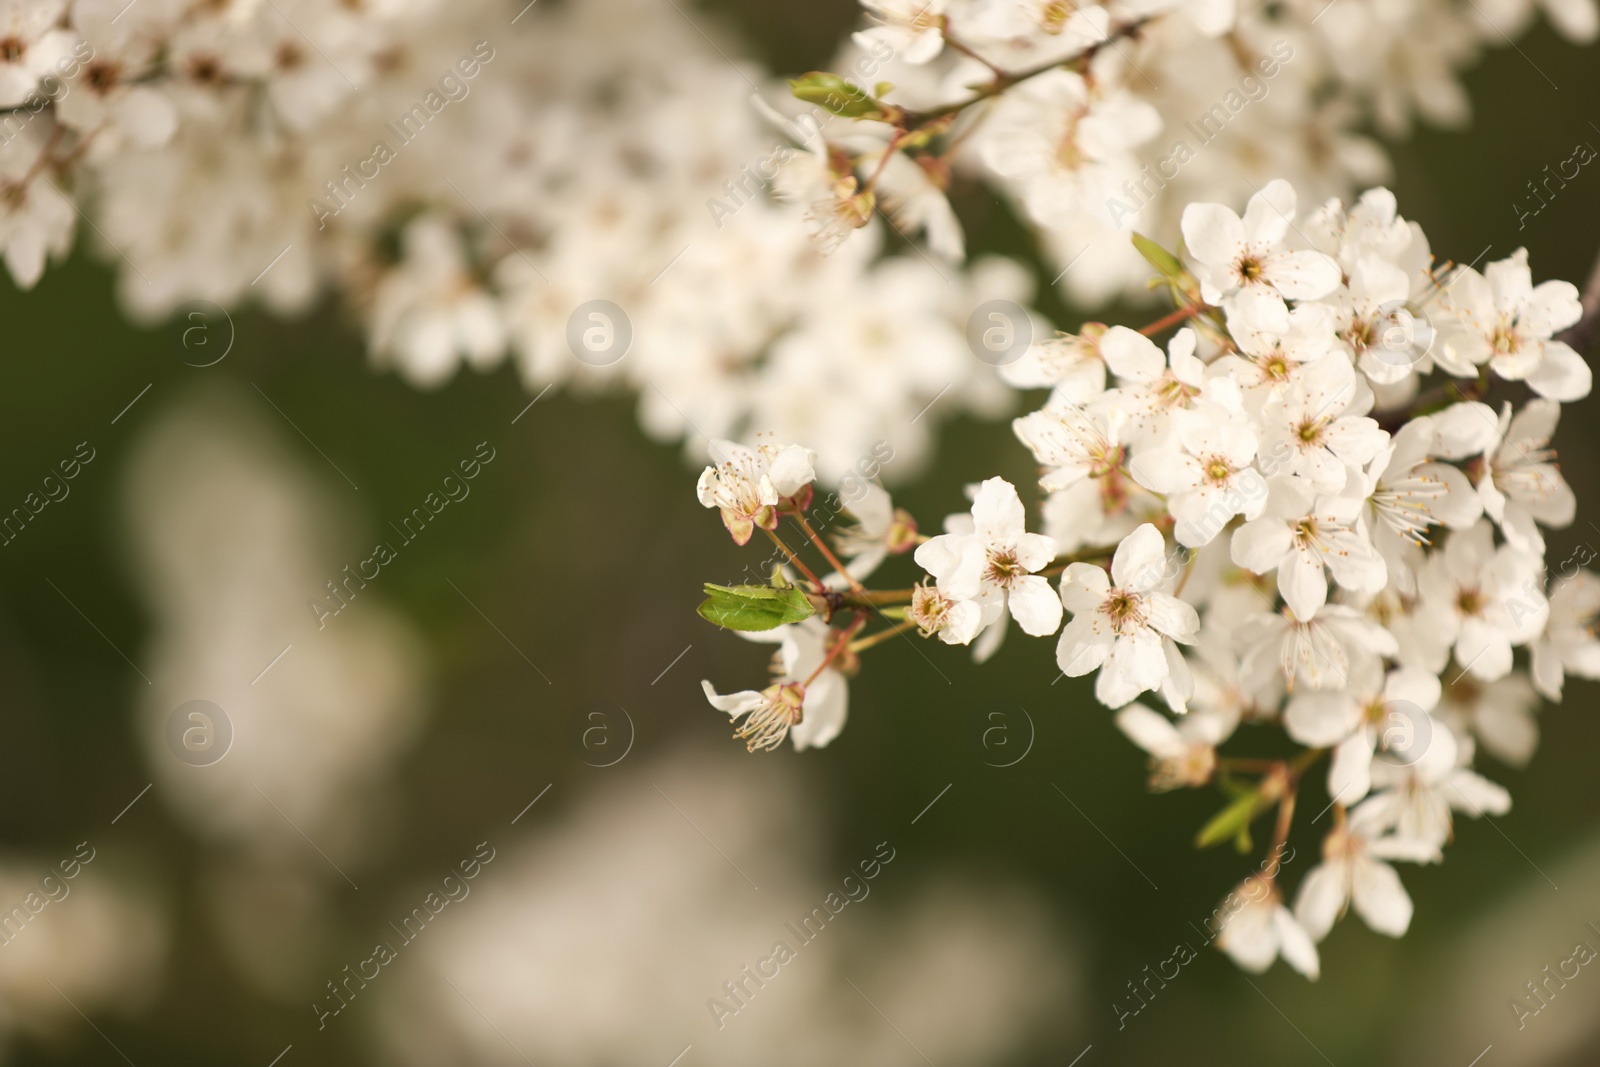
{"x":753,"y":607}
{"x":837,"y":95}
{"x":883,"y":89}
{"x":1231,"y":822}
{"x":1159,"y":257}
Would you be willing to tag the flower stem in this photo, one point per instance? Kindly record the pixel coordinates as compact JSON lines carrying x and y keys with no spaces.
{"x":966,"y":50}
{"x":799,"y":564}
{"x":839,"y":646}
{"x":1172,"y":319}
{"x":882,"y":635}
{"x":827,"y":552}
{"x":871,"y":598}
{"x":1003,"y":80}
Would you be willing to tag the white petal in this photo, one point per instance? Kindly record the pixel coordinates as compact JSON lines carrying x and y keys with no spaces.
{"x":1131,"y":355}
{"x":998,"y":511}
{"x":791,"y":469}
{"x":1085,"y":644}
{"x":1171,"y":617}
{"x":1380,"y":899}
{"x":1561,"y":375}
{"x":1151,"y":731}
{"x":1475,"y":794}
{"x":1321,"y":718}
{"x":1301,"y":275}
{"x":1322,"y":897}
{"x":1035,"y":606}
{"x":1260,"y":545}
{"x":1084,"y":587}
{"x":735,"y":704}
{"x":826,"y":705}
{"x":1212,"y":233}
{"x":1140,"y":560}
{"x":1350,"y":776}
{"x":1303,"y":583}
{"x":1296,"y":945}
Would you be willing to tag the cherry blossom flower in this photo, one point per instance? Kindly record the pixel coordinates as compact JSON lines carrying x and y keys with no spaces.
{"x":1414,"y":800}
{"x":880,"y":530}
{"x":1260,"y":929}
{"x":30,"y":45}
{"x":1353,"y":871}
{"x":1072,"y":443}
{"x":1409,"y":494}
{"x":1275,"y":344}
{"x":1152,"y":387}
{"x":747,"y":484}
{"x":1305,"y":537}
{"x":1123,"y":624}
{"x":1068,"y":144}
{"x":1568,"y":644}
{"x":36,"y":220}
{"x":913,"y":29}
{"x":1500,"y":714}
{"x":1512,"y":324}
{"x":1233,"y":255}
{"x":1207,"y":474}
{"x":956,"y":622}
{"x":1484,"y":600}
{"x":1372,"y":713}
{"x":810,"y":710}
{"x":1321,"y":652}
{"x":1070,"y":366}
{"x":1002,"y":566}
{"x":1318,"y":424}
{"x":1182,"y":755}
{"x":1521,"y":485}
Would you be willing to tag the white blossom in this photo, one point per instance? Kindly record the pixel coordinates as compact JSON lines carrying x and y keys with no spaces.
{"x":1122,"y":623}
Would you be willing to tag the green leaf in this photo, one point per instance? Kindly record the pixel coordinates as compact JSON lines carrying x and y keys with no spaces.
{"x":753,"y":607}
{"x":1232,"y":822}
{"x":834,"y":93}
{"x":1159,"y":257}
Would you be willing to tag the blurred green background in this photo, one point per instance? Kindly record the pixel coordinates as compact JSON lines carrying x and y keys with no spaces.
{"x":586,"y":547}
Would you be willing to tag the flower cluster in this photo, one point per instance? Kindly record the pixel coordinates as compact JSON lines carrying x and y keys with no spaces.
{"x":1094,"y":119}
{"x":473,"y":180}
{"x":1319,"y":512}
{"x":586,"y":190}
